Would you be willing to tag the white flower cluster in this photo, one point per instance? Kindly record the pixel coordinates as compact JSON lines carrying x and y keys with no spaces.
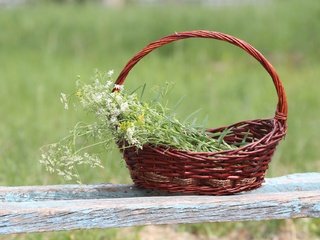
{"x":130,"y":132}
{"x":64,"y":163}
{"x":123,"y":119}
{"x":64,"y":101}
{"x":116,"y":114}
{"x":112,"y":108}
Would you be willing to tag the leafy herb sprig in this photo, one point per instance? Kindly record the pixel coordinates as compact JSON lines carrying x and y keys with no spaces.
{"x":120,"y":117}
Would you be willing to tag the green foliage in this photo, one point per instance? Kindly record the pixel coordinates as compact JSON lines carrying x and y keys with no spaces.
{"x":121,"y":117}
{"x":43,"y":48}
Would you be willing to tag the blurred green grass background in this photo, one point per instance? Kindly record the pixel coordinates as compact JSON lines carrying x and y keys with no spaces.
{"x":43,"y":47}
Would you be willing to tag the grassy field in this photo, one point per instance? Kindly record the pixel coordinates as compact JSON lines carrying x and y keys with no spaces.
{"x":44,"y":47}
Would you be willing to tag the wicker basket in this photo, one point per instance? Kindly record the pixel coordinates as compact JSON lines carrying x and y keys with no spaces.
{"x":213,"y":173}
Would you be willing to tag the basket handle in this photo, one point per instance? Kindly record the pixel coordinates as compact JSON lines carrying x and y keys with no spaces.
{"x":282,"y":106}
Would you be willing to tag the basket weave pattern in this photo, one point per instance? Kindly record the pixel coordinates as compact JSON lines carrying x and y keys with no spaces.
{"x":214,"y":173}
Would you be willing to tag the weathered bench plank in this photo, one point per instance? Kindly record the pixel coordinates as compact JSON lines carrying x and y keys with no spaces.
{"x":293,"y":182}
{"x":50,"y":208}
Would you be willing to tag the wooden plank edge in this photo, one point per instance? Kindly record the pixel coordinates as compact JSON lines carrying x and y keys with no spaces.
{"x":24,"y":217}
{"x":293,"y":182}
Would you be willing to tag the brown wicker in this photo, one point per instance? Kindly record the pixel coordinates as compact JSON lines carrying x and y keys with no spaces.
{"x":214,"y":173}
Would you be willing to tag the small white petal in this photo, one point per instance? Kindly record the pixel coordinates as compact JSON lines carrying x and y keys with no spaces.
{"x":63,"y":97}
{"x":110,"y":73}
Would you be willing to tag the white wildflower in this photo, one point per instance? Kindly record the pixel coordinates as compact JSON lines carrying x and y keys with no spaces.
{"x":50,"y":169}
{"x":63,"y":97}
{"x":110,"y":73}
{"x":64,"y":100}
{"x":116,"y":112}
{"x":118,"y":98}
{"x":101,"y":112}
{"x":108,"y":102}
{"x":61,"y":173}
{"x":113,"y":120}
{"x":97,"y":97}
{"x":69,"y":178}
{"x":124,"y":107}
{"x":130,"y":136}
{"x":108,"y":84}
{"x":130,"y":131}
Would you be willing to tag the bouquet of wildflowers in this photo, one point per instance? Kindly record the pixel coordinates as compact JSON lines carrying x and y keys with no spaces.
{"x":121,"y":118}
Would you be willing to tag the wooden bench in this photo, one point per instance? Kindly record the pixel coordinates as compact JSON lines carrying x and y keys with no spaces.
{"x":65,"y":207}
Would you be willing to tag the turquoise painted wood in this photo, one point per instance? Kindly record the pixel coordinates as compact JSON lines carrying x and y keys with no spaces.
{"x":66,"y":207}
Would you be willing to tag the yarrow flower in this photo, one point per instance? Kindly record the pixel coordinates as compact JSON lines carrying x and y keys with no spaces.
{"x":124,"y":106}
{"x":63,"y":100}
{"x":110,"y":73}
{"x":130,"y":135}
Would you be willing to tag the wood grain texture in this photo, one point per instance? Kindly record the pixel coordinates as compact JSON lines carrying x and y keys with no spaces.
{"x":293,"y":182}
{"x":53,"y":208}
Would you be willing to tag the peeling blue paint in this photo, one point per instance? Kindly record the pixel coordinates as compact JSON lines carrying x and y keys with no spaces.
{"x":295,"y":206}
{"x":10,"y":197}
{"x":316,"y":208}
{"x":33,"y":209}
